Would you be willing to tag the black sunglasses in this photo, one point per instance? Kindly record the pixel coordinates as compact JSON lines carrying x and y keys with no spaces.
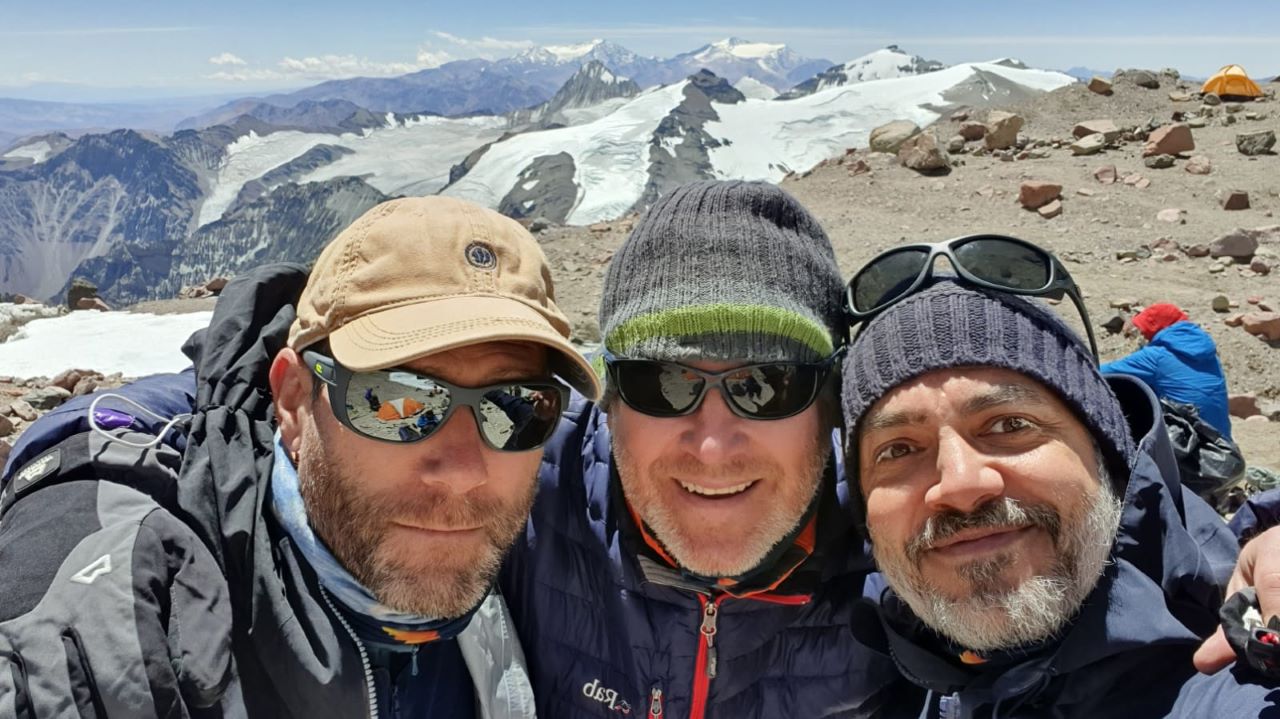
{"x":769,"y":390}
{"x":994,"y":262}
{"x":400,"y":406}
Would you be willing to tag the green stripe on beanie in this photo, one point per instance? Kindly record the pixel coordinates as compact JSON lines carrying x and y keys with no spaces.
{"x":632,"y":336}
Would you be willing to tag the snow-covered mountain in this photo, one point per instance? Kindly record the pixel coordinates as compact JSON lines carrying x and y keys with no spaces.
{"x":142,"y":215}
{"x":881,"y":64}
{"x":773,"y":64}
{"x":583,"y":97}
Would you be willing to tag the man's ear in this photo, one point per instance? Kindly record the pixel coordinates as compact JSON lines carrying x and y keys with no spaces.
{"x":291,"y":393}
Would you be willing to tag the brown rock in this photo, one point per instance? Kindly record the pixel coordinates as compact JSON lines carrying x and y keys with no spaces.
{"x":1002,"y":130}
{"x":23,"y":411}
{"x":1198,"y":251}
{"x":1034,"y":194}
{"x":1107,"y":128}
{"x":1243,"y":405}
{"x":216,"y":284}
{"x":1166,"y":244}
{"x":1170,"y":214}
{"x":1105,"y":174}
{"x":1142,"y":183}
{"x":1220,"y":303}
{"x":1234,"y":200}
{"x":890,"y":136}
{"x":1238,"y":244}
{"x":1085,"y":192}
{"x":1159,"y":162}
{"x":971,"y":131}
{"x":1198,"y":165}
{"x":86,"y":385}
{"x":6,"y":426}
{"x":1263,"y":324}
{"x":1089,"y":144}
{"x":1169,"y":140}
{"x":46,"y":397}
{"x":67,"y":379}
{"x":1115,"y":324}
{"x":921,"y":153}
{"x":5,"y":448}
{"x":1234,"y":320}
{"x":1051,"y":210}
{"x":92,"y":303}
{"x":859,"y":167}
{"x":1100,"y":85}
{"x":1260,"y":266}
{"x":24,"y":300}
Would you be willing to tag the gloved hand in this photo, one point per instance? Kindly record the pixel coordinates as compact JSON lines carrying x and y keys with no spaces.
{"x":109,"y":607}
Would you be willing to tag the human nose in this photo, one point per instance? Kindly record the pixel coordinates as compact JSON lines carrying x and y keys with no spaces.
{"x":454,"y":455}
{"x":713,"y":432}
{"x":965,"y":479}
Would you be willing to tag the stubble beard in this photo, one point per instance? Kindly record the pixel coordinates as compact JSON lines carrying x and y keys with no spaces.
{"x":354,"y":525}
{"x":993,"y":615}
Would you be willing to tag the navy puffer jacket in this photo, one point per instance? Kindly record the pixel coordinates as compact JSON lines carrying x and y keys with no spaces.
{"x":608,"y":633}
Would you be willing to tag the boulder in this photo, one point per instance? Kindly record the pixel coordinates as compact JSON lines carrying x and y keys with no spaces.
{"x":1105,"y":174}
{"x":1107,"y":128}
{"x":5,"y":449}
{"x":955,"y":145}
{"x":1263,"y":324}
{"x":1089,"y":144}
{"x":23,"y":410}
{"x":1002,"y":130}
{"x":921,"y":153}
{"x":1238,"y":244}
{"x":46,"y":397}
{"x":1051,"y":210}
{"x":972,"y":131}
{"x":1034,"y":194}
{"x":1211,"y":99}
{"x":1100,"y":85}
{"x":1141,"y":78}
{"x":67,"y":379}
{"x":1169,"y":140}
{"x":1234,"y":200}
{"x":1197,"y":165}
{"x":889,"y":138}
{"x":216,"y":285}
{"x":92,"y":303}
{"x":1256,"y":143}
{"x":1220,"y":303}
{"x":6,"y":426}
{"x":1159,"y":162}
{"x":1198,"y":251}
{"x":80,"y":289}
{"x":1243,"y":405}
{"x":1260,"y":266}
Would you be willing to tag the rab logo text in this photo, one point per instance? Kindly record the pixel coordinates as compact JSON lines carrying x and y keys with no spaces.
{"x":608,"y":697}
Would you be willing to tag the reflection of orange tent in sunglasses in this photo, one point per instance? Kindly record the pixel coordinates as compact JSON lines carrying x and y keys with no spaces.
{"x":403,"y":408}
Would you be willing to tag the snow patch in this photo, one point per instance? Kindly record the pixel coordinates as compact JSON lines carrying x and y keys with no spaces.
{"x":37,"y":151}
{"x":132,"y":344}
{"x":748,"y":50}
{"x":753,"y":89}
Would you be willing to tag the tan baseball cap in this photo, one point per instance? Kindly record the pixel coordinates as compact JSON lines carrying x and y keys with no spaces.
{"x":416,"y":276}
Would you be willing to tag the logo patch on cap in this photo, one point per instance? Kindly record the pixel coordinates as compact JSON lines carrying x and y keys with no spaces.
{"x":481,"y":256}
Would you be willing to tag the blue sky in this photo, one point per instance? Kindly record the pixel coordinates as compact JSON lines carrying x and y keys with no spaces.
{"x":237,"y":46}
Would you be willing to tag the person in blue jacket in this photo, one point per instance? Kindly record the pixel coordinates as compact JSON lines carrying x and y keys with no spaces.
{"x":687,"y":555}
{"x":1041,"y":556}
{"x":1179,"y":362}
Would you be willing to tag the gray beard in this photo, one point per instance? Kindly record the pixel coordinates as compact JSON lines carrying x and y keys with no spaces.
{"x":994,"y":617}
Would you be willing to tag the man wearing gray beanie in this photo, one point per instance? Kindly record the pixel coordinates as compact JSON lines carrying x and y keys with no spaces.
{"x":687,"y":555}
{"x":1025,"y":511}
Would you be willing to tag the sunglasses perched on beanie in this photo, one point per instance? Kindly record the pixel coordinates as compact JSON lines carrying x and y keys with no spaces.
{"x":994,"y":262}
{"x":400,"y":406}
{"x":769,"y":390}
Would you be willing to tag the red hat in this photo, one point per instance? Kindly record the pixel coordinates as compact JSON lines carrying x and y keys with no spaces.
{"x":1157,"y":317}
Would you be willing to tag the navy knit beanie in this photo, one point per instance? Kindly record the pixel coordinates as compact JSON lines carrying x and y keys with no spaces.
{"x":955,"y":325}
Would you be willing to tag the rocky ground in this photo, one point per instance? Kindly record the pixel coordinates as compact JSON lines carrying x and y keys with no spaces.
{"x":1128,"y":244}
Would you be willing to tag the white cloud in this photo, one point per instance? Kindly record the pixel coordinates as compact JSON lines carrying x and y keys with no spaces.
{"x":227,"y":58}
{"x":483,"y":44}
{"x":428,"y":58}
{"x":334,"y":66}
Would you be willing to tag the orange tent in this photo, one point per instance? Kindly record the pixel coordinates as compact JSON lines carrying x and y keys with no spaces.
{"x":402,"y":408}
{"x":1233,"y":81}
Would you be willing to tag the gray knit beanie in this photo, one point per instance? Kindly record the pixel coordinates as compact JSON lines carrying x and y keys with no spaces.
{"x":953,"y":325}
{"x":735,"y":271}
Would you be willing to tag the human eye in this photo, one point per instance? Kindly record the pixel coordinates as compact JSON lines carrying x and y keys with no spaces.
{"x":1011,"y":424}
{"x":892,"y":451}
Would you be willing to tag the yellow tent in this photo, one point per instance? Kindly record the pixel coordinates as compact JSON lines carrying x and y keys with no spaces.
{"x":1232,"y":80}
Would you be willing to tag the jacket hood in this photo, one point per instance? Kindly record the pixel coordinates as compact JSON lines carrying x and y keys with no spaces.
{"x":1170,"y":560}
{"x":1187,"y":340}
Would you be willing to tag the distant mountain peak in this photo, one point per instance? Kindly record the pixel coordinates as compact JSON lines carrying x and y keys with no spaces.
{"x":885,"y":63}
{"x":746,"y":49}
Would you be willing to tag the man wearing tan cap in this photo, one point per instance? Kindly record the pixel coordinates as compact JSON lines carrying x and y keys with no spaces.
{"x":316,"y":531}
